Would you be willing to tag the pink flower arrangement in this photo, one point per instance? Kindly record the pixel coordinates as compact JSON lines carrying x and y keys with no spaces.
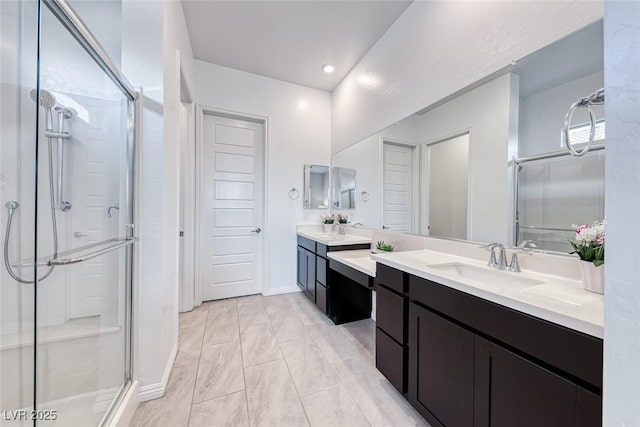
{"x":343,"y":219}
{"x":588,"y":242}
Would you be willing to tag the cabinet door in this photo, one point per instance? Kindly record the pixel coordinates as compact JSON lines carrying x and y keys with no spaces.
{"x":311,"y":276}
{"x":302,"y":268}
{"x":441,"y":368}
{"x":524,"y":394}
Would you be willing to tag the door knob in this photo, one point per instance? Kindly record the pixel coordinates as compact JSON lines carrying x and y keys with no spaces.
{"x":257,"y":230}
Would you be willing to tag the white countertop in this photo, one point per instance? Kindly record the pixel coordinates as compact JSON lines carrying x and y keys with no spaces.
{"x":334,"y":239}
{"x":358,"y":260}
{"x":552,"y":298}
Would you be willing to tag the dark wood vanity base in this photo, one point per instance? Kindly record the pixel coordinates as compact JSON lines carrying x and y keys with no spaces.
{"x":342,"y":295}
{"x":463,"y":361}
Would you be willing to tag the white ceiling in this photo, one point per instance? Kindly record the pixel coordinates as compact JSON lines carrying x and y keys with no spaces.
{"x":289,"y":40}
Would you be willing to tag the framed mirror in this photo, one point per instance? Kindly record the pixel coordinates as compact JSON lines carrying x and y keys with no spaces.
{"x":344,"y":188}
{"x":316,"y":187}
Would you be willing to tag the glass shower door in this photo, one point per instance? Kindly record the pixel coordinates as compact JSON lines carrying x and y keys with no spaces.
{"x":83,"y":230}
{"x":66,"y":166}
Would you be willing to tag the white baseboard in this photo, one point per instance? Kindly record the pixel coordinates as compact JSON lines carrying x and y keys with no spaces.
{"x":157,"y":390}
{"x":128,"y":406}
{"x":283,"y":290}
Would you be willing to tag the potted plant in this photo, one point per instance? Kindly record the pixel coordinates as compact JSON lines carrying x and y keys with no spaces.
{"x":327,"y":222}
{"x":588,"y":243}
{"x":381,"y":247}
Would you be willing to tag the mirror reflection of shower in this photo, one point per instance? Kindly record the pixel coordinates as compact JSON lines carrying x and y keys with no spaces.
{"x":56,"y":130}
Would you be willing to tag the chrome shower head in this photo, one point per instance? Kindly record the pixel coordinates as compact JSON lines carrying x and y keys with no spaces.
{"x":47,"y":100}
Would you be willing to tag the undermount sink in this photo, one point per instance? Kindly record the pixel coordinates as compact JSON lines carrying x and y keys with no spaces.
{"x":566,"y":295}
{"x":326,"y":236}
{"x":493,"y":279}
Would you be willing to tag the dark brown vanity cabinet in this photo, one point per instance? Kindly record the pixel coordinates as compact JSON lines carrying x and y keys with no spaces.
{"x":472,"y":362}
{"x":391,"y":325}
{"x":441,"y":368}
{"x":307,"y":272}
{"x":513,"y":390}
{"x":313,"y":272}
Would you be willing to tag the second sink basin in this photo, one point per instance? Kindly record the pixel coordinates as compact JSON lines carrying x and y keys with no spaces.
{"x":495,"y":280}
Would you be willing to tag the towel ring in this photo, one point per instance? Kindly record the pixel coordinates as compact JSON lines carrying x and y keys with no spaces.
{"x":596,"y":98}
{"x":294,"y":193}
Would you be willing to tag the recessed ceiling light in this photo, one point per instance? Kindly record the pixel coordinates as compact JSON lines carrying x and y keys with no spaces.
{"x":328,"y":68}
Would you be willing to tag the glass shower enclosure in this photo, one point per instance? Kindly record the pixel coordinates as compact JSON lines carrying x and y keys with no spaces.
{"x":66,"y":191}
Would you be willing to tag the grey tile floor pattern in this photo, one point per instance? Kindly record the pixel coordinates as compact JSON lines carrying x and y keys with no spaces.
{"x":275,"y":361}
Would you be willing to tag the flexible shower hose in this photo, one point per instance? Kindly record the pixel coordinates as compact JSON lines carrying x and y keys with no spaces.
{"x":54,"y":224}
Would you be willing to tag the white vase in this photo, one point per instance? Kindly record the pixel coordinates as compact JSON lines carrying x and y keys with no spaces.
{"x":327,"y":228}
{"x":592,"y":277}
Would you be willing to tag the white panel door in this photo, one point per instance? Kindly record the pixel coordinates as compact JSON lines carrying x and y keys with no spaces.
{"x":397,"y":199}
{"x":232,"y":207}
{"x":448,"y":173}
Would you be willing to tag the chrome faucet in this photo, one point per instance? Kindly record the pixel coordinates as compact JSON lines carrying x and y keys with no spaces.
{"x":501,"y":262}
{"x":357,"y":224}
{"x":526,"y":246}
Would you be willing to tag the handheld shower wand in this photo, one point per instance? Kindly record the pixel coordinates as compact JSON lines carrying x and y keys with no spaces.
{"x":47,"y":101}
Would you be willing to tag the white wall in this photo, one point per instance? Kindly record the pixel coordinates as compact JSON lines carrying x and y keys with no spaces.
{"x":299,"y":133}
{"x":622,"y":209}
{"x":542,"y":114}
{"x":420,"y":60}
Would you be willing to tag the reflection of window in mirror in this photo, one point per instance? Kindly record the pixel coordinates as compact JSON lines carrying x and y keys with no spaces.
{"x":579,"y":134}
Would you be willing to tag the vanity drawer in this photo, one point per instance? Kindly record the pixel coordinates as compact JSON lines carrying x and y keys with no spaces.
{"x":322,"y":250}
{"x":390,"y":313}
{"x":321,"y":297}
{"x":321,"y":270}
{"x":390,"y":360}
{"x":390,"y":277}
{"x":308,"y":244}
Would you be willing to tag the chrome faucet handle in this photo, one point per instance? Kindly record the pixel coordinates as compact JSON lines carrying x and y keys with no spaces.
{"x":493,"y":262}
{"x":502,"y":257}
{"x":514,"y":265}
{"x":488,"y":246}
{"x":527,"y":246}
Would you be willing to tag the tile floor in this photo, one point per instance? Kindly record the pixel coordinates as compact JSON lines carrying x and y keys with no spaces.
{"x":275,"y":361}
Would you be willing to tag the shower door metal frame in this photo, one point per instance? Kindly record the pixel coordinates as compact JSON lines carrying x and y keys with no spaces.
{"x":72,"y":22}
{"x":515,"y":163}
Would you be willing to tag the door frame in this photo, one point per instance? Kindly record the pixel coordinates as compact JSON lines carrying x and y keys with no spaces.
{"x":415,"y":180}
{"x":187,"y":267}
{"x":424,"y":179}
{"x":201,"y":111}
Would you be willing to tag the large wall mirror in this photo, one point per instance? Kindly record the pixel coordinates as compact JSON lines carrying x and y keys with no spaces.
{"x":488,"y":164}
